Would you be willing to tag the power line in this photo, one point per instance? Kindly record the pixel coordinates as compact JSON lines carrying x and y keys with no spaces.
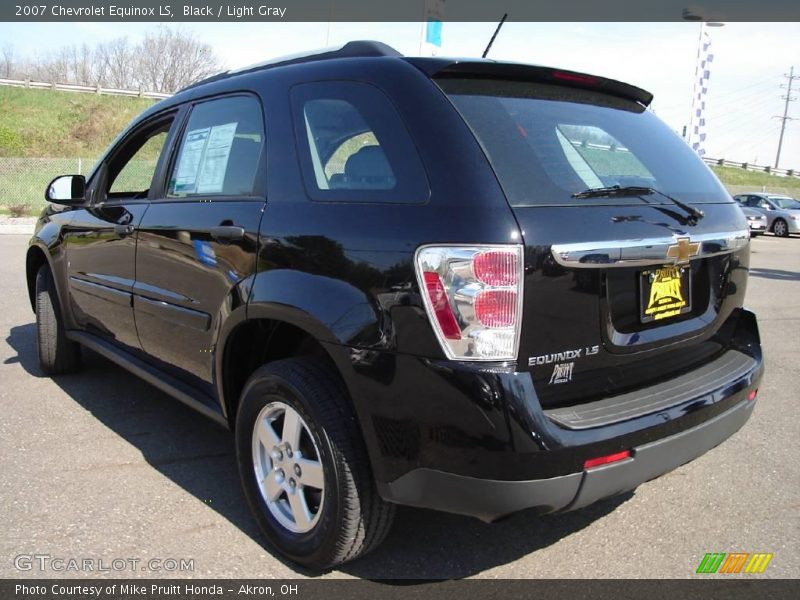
{"x":720,"y":97}
{"x":789,"y":98}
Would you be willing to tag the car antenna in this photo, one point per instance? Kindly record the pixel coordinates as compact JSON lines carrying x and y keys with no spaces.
{"x":496,"y":31}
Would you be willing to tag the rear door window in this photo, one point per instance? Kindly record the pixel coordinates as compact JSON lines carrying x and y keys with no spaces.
{"x":219,"y":150}
{"x":548,"y":142}
{"x":354,"y":146}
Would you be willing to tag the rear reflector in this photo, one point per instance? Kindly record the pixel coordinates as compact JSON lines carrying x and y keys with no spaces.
{"x":604,"y":460}
{"x":752,"y":395}
{"x":441,"y":307}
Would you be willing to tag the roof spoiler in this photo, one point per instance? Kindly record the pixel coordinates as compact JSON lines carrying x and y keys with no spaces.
{"x":439,"y":68}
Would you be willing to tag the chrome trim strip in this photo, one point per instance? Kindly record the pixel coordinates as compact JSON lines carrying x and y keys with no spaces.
{"x":644,"y":252}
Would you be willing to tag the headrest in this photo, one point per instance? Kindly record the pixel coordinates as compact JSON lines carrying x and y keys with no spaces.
{"x":368,"y":163}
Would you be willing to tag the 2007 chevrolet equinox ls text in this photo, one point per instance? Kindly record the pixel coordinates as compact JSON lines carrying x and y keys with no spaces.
{"x":465,"y":285}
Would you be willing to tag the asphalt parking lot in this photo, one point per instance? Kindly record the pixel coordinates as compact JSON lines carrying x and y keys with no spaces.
{"x":101,"y":465}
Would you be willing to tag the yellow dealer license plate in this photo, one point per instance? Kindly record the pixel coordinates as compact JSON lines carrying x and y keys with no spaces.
{"x":665,"y":292}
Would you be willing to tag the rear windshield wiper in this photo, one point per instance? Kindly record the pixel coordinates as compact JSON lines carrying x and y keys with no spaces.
{"x":631,"y":190}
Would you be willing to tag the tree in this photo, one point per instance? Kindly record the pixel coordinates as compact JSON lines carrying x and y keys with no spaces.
{"x":8,"y":61}
{"x":115,"y":64}
{"x":173,"y":58}
{"x":165,"y":61}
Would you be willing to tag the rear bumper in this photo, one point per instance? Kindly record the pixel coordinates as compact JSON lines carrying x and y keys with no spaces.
{"x":476,"y":441}
{"x":490,"y":499}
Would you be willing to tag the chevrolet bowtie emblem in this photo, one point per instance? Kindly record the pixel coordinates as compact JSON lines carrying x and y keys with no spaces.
{"x":683,"y":250}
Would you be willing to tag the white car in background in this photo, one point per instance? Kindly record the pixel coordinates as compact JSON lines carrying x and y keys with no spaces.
{"x":756,"y":220}
{"x":782,"y":212}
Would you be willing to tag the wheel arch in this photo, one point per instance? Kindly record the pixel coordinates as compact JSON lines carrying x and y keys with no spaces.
{"x":263,"y":333}
{"x":37,"y":256}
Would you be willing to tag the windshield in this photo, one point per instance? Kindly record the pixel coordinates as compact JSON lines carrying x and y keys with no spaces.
{"x":548,"y":142}
{"x":786,"y":203}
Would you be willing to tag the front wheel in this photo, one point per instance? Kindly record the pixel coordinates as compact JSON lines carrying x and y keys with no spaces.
{"x":304,"y":467}
{"x":780,"y":228}
{"x":58,"y":355}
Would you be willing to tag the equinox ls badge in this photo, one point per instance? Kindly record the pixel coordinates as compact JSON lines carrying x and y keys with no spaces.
{"x":560,"y":357}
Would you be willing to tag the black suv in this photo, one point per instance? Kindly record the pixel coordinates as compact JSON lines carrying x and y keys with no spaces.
{"x":465,"y":285}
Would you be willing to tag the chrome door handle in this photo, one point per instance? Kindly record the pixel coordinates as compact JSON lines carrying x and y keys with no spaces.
{"x":227,"y":233}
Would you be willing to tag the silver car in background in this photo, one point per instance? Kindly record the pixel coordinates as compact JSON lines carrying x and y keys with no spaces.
{"x":782,"y":212}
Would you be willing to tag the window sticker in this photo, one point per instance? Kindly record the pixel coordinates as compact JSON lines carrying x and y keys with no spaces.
{"x":215,"y":159}
{"x":191,"y":155}
{"x":204,"y":159}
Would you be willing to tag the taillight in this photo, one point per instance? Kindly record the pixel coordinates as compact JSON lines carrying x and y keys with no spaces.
{"x":496,"y":267}
{"x":472,"y":295}
{"x":496,"y":308}
{"x":441,"y":306}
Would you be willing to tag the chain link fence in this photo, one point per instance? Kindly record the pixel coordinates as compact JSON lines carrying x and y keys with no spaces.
{"x":23,"y":180}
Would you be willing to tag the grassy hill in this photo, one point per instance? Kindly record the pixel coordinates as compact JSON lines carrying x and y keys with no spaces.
{"x":47,"y":123}
{"x":739,"y":180}
{"x":43,"y":133}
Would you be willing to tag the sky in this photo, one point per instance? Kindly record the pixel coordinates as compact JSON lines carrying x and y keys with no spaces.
{"x":744,"y":92}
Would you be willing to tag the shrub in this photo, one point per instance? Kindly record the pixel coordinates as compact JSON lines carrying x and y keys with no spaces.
{"x":19,"y":210}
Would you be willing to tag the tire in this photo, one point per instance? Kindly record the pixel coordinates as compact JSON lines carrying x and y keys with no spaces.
{"x":347,"y":518}
{"x":57,"y":354}
{"x":780,"y":228}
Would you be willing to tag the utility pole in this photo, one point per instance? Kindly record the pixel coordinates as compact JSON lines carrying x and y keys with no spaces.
{"x":789,"y":98}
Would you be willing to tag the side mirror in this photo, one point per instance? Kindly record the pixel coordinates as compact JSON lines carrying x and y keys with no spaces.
{"x":66,"y":189}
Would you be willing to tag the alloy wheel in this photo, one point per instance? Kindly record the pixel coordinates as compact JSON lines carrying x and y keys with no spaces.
{"x":288,"y":467}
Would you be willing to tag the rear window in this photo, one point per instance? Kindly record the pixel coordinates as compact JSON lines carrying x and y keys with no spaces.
{"x":785,"y":202}
{"x":548,"y":142}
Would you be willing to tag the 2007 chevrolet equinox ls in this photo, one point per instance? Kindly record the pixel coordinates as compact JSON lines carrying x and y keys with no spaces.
{"x":465,"y":285}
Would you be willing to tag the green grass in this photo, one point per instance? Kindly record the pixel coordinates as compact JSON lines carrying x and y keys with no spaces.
{"x":43,"y":132}
{"x":47,"y":123}
{"x":733,"y":177}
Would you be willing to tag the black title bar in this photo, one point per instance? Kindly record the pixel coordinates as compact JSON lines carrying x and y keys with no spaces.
{"x":714,"y":588}
{"x":398,"y":10}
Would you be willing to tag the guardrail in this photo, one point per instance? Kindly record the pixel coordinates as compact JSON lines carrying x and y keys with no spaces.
{"x":88,"y":89}
{"x":721,"y":162}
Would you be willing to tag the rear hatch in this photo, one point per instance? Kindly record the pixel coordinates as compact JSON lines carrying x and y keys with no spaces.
{"x":623,"y":288}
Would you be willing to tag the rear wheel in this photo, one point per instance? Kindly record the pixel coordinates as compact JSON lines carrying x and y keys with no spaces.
{"x":57,"y":354}
{"x":304,"y":467}
{"x":780,"y":228}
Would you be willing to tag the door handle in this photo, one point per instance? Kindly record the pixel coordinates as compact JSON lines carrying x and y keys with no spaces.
{"x":123,"y":230}
{"x":227,"y":233}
